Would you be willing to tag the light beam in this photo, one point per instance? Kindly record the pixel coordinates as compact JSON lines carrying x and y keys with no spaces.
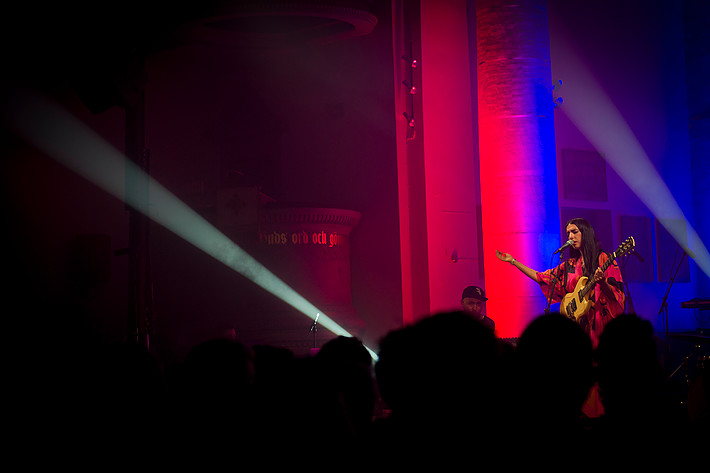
{"x":594,"y":114}
{"x":70,"y":142}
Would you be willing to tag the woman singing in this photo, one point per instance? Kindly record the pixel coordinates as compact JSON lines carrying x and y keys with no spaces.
{"x":586,"y":259}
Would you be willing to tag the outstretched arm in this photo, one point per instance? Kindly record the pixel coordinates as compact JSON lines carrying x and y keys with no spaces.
{"x":508,"y":258}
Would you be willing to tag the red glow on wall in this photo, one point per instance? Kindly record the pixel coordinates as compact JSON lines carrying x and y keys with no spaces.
{"x":439,"y":172}
{"x":449,"y":152}
{"x":517,"y":157}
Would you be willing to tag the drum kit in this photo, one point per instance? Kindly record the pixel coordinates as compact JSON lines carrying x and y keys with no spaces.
{"x":694,"y":366}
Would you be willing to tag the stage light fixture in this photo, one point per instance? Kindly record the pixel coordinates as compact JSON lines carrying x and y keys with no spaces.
{"x":410,"y":119}
{"x":412,"y":89}
{"x":413,"y":63}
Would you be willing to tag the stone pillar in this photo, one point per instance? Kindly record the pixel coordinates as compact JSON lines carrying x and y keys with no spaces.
{"x":519,"y":203}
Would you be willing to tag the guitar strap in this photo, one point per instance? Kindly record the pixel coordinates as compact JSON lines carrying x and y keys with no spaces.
{"x":564,"y":284}
{"x":569,"y":268}
{"x":608,"y":256}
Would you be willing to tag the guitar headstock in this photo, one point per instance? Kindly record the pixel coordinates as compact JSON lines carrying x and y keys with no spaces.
{"x":625,"y":246}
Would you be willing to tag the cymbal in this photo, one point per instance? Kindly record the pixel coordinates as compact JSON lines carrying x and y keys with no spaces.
{"x":691,"y":336}
{"x":702,"y":304}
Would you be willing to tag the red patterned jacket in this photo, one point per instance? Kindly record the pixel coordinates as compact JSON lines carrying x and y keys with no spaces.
{"x":604,"y":309}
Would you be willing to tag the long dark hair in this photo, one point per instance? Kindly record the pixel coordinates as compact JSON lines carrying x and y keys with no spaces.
{"x":590,"y":247}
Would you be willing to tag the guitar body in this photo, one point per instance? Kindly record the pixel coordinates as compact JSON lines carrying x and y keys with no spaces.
{"x":575,"y":304}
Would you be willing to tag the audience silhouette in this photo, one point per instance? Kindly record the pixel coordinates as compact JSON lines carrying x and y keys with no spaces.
{"x":216,"y":385}
{"x":551,"y":378}
{"x":451,"y":388}
{"x":441,"y":378}
{"x":347,"y":387}
{"x":638,"y":405}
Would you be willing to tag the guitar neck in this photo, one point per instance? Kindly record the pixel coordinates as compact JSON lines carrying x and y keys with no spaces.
{"x":628,"y":244}
{"x":588,"y":287}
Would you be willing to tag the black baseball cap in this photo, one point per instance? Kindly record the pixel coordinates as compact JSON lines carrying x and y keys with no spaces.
{"x":474,"y":292}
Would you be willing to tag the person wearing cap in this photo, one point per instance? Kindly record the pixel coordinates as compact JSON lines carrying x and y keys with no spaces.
{"x":473,"y":302}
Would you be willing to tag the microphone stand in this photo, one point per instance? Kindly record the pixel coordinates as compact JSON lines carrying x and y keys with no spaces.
{"x":314,"y":329}
{"x":554,"y":282}
{"x":626,"y":284}
{"x":664,"y":305}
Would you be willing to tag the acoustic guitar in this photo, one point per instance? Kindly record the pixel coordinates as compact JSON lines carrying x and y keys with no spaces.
{"x":575,"y":304}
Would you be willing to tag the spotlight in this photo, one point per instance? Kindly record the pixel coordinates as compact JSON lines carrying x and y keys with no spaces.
{"x":412,"y":89}
{"x":557,"y":100}
{"x":410,"y":119}
{"x":412,"y":62}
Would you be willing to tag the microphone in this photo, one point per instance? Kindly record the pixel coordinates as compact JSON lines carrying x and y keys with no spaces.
{"x":688,"y":251}
{"x":562,"y":248}
{"x":315,"y":323}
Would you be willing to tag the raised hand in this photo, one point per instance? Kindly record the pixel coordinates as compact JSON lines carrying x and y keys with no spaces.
{"x":507,"y":257}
